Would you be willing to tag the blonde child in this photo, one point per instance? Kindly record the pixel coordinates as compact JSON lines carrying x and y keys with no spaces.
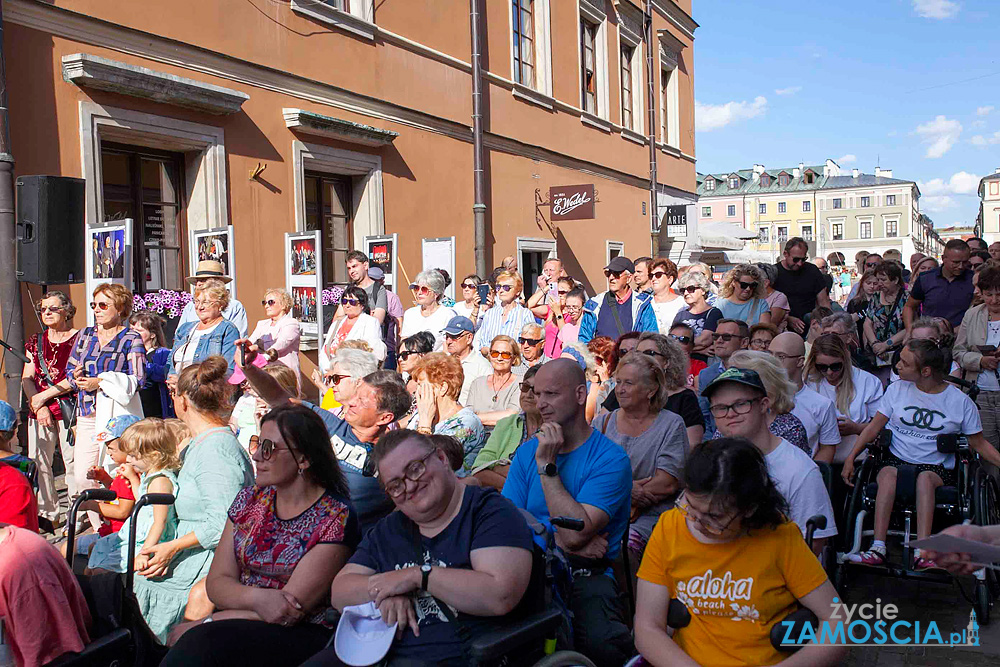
{"x":181,"y":432}
{"x":151,"y":448}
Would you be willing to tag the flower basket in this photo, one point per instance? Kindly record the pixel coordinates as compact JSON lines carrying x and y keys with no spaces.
{"x":168,"y":304}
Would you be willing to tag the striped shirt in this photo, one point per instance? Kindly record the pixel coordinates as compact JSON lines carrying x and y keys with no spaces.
{"x":495,"y":324}
{"x":124,"y":353}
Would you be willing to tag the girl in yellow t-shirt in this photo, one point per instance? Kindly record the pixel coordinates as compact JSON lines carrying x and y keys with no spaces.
{"x":729,"y":553}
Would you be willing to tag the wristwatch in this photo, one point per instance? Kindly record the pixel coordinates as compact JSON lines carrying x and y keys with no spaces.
{"x":425,"y":573}
{"x":549,"y":470}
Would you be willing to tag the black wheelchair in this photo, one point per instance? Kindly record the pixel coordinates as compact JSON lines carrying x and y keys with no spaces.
{"x":973,"y":499}
{"x":119,"y":634}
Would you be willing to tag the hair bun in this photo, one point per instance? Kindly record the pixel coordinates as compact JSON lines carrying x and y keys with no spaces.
{"x":212,"y":370}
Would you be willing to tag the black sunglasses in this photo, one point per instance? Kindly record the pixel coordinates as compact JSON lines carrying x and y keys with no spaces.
{"x":690,"y":289}
{"x":683,"y":340}
{"x":616,"y":274}
{"x":797,"y":260}
{"x":836,"y":367}
{"x":726,"y":337}
{"x":268,"y":302}
{"x":750,"y":286}
{"x":529,"y":341}
{"x":337,"y":378}
{"x":350,"y":302}
{"x":406,"y":355}
{"x":468,"y":285}
{"x":653,"y":353}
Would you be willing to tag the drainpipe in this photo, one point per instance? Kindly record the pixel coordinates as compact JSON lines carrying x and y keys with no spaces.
{"x":10,"y":289}
{"x":651,"y":98}
{"x":479,"y":207}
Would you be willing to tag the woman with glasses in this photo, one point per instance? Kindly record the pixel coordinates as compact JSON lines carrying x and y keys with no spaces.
{"x":470,"y":306}
{"x":742,"y":296}
{"x":761,"y":336}
{"x":666,"y":302}
{"x":48,"y":426}
{"x":883,"y":320}
{"x":553,"y":314}
{"x":493,"y":462}
{"x":496,"y":396}
{"x":356,"y":324}
{"x":855,"y":392}
{"x":170,"y":588}
{"x":777,"y":302}
{"x":654,"y":439}
{"x":277,"y":337}
{"x":602,"y":382}
{"x":668,"y":354}
{"x":212,"y":334}
{"x":729,"y":553}
{"x":439,"y":379}
{"x":107,"y":347}
{"x":697,"y":313}
{"x":507,"y":317}
{"x":284,"y":541}
{"x":428,"y":315}
{"x":569,"y":323}
{"x":154,"y":393}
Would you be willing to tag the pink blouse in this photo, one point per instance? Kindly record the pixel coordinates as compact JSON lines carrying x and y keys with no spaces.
{"x":283,"y":336}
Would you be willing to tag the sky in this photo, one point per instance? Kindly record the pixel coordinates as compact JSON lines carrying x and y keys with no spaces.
{"x":910,"y":85}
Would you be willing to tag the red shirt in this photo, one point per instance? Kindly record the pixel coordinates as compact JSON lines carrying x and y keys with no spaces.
{"x":120,"y":486}
{"x":44,"y":611}
{"x":18,"y":506}
{"x":56,"y":356}
{"x":697,"y":366}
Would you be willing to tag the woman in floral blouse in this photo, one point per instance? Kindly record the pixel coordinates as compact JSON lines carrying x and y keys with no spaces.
{"x":286,"y":538}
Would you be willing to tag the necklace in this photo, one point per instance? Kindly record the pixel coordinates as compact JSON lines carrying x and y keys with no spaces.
{"x":497,"y":390}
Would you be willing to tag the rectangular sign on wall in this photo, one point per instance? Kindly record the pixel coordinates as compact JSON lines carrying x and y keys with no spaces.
{"x":572,"y":202}
{"x":304,"y":282}
{"x":381,"y":251}
{"x":439,"y":253}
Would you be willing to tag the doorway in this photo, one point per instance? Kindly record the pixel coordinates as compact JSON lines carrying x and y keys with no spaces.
{"x":329,"y":209}
{"x":531,"y":256}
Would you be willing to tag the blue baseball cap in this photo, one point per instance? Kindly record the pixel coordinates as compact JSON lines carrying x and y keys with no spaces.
{"x":8,"y":417}
{"x":116,"y":427}
{"x":459,"y":325}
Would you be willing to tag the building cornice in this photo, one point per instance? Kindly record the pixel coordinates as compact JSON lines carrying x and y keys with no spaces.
{"x":677,"y":16}
{"x":308,"y":122}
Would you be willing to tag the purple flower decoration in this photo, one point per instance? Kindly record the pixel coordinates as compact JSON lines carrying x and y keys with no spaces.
{"x":331,"y":296}
{"x":163,"y":302}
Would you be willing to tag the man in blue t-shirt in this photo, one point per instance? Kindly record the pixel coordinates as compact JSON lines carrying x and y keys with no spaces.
{"x":571,"y":470}
{"x":451,"y":561}
{"x":380,"y":399}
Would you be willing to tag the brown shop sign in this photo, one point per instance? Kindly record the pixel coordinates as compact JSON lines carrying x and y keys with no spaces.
{"x":572,"y":202}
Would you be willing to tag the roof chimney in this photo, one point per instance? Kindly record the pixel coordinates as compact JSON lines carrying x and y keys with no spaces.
{"x":997,"y":171}
{"x":884,"y":173}
{"x":758,"y":169}
{"x":854,"y":173}
{"x":802,"y":166}
{"x":796,"y":172}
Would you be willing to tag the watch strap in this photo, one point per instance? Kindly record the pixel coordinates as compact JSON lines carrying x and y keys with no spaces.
{"x":425,"y":573}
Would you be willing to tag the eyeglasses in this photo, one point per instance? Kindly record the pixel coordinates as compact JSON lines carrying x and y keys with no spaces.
{"x":497,"y":354}
{"x":616,"y":274}
{"x":350,"y":302}
{"x":835,"y":367}
{"x":726,"y":337}
{"x":690,"y":289}
{"x":468,"y":285}
{"x":529,"y":341}
{"x":454,"y":336}
{"x":571,"y":309}
{"x":420,"y":289}
{"x":653,"y":353}
{"x":528,"y":388}
{"x":198,"y":303}
{"x":746,"y":286}
{"x":268,"y":302}
{"x":711,"y":525}
{"x":337,"y":378}
{"x":413,"y":471}
{"x":797,"y":260}
{"x":99,"y":305}
{"x":759,"y":343}
{"x":504,"y":288}
{"x":267,"y":447}
{"x":406,"y":355}
{"x":739,"y":407}
{"x":52,"y":309}
{"x":781,"y":356}
{"x":683,"y":340}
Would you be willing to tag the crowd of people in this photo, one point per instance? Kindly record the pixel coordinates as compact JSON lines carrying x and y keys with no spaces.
{"x":684,"y":422}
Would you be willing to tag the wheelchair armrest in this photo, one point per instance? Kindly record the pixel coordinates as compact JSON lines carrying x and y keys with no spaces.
{"x":814,"y":523}
{"x":504,"y":640}
{"x":798,"y":620}
{"x":105,"y":649}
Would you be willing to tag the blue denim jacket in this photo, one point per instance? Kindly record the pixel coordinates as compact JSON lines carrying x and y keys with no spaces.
{"x":222,"y":341}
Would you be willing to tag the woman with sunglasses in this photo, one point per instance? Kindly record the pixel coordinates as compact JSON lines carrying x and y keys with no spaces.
{"x":697,"y":313}
{"x":216,"y":467}
{"x":285,"y":540}
{"x":107,"y":347}
{"x":855,"y":392}
{"x":729,"y":553}
{"x":507,"y":316}
{"x":742,"y":296}
{"x":777,"y":302}
{"x":469,"y":306}
{"x":277,"y":337}
{"x":48,"y":426}
{"x":495,"y":396}
{"x":493,"y":462}
{"x":356,"y":324}
{"x":212,"y":334}
{"x":439,"y":378}
{"x":666,"y":302}
{"x":428,"y":315}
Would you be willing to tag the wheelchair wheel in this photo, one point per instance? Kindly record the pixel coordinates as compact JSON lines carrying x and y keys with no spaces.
{"x":987,"y":513}
{"x":565,"y":659}
{"x":984,"y":600}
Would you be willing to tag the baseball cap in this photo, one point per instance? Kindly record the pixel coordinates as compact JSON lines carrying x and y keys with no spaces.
{"x":375,"y":273}
{"x":458,"y":325}
{"x":741,"y":376}
{"x":238,"y":377}
{"x":362,"y":638}
{"x":8,"y":417}
{"x":620,"y":263}
{"x":116,"y":426}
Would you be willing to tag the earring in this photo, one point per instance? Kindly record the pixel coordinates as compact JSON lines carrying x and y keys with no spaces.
{"x":301,"y":471}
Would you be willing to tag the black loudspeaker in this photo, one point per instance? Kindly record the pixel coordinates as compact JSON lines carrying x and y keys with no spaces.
{"x":50,"y":230}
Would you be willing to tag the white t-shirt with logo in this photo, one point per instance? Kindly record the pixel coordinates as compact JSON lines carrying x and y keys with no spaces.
{"x":818,"y":415}
{"x":799,"y":480}
{"x":917,"y":418}
{"x":867,"y":395}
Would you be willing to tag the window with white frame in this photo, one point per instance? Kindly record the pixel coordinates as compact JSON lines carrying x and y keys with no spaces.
{"x":890,"y":200}
{"x":762,"y":209}
{"x":781,"y":207}
{"x":354,"y":16}
{"x":734,"y":183}
{"x":866,"y":202}
{"x":593,"y":64}
{"x":838,"y":231}
{"x":531,"y":45}
{"x":731,"y":211}
{"x":669,"y":104}
{"x":891,"y":228}
{"x":706,"y":211}
{"x":865,"y":229}
{"x":631,"y":118}
{"x":710,"y":184}
{"x":838,"y":202}
{"x":807,"y":232}
{"x":807,"y":206}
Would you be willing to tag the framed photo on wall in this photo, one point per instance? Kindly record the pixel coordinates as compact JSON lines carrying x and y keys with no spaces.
{"x":439,"y":253}
{"x":109,"y":256}
{"x":215,"y":245}
{"x":304,"y":282}
{"x":382,"y":252}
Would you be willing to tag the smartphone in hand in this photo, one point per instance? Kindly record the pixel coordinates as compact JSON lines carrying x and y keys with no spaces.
{"x":987,"y":349}
{"x":483,"y":289}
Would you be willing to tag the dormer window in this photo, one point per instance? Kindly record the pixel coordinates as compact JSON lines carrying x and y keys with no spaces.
{"x":809,"y":177}
{"x":765,"y":181}
{"x":784,"y":180}
{"x":734,"y":182}
{"x":710,"y":184}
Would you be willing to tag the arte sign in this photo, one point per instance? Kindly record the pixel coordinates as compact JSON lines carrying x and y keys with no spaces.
{"x":572,"y":202}
{"x":676,"y":216}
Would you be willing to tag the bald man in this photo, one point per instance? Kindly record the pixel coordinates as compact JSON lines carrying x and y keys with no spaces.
{"x":824,"y":268}
{"x":571,"y":470}
{"x":816,"y":412}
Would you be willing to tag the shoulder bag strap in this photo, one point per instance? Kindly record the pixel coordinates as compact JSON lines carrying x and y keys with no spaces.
{"x":890,"y":315}
{"x":40,"y":360}
{"x":611,"y":301}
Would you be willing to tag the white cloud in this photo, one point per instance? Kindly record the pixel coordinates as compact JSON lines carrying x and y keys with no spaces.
{"x":847,"y":159}
{"x":978,"y":124}
{"x":791,"y":90}
{"x":984,"y":111}
{"x":981,"y":141}
{"x":960,"y":183}
{"x":940,"y":134}
{"x":935,"y":203}
{"x":708,"y":117}
{"x":935,"y":9}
